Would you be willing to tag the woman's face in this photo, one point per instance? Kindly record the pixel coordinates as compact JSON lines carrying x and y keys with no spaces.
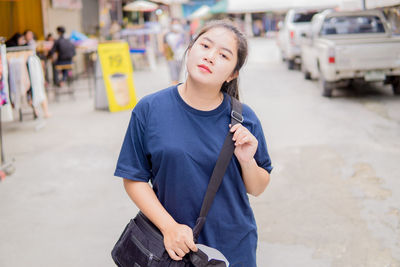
{"x":21,"y":40}
{"x":29,"y":36}
{"x":213,"y":57}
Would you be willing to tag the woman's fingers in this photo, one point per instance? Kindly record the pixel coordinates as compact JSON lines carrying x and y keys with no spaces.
{"x":236,"y":130}
{"x":191,"y":245}
{"x":180,"y":252}
{"x":173,"y":255}
{"x":178,"y":241}
{"x":241,"y":134}
{"x":241,"y":141}
{"x":234,"y":127}
{"x":184,"y":248}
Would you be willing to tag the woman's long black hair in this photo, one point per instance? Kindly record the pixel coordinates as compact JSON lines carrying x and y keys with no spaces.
{"x":232,"y":87}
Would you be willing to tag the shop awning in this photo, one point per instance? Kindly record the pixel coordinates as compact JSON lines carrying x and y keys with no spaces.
{"x":201,"y":12}
{"x":170,"y":2}
{"x":220,"y":7}
{"x":143,"y":6}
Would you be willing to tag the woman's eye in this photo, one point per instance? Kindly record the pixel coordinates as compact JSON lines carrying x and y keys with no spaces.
{"x":224,"y":56}
{"x":205,"y":46}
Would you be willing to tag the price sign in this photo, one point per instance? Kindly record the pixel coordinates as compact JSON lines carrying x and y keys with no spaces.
{"x":117,"y":71}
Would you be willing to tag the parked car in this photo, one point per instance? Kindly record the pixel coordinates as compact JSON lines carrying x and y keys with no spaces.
{"x":344,"y":46}
{"x":297,"y":21}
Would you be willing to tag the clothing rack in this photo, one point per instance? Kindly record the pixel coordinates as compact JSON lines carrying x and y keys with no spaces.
{"x":6,"y":168}
{"x":20,"y":48}
{"x":16,"y":49}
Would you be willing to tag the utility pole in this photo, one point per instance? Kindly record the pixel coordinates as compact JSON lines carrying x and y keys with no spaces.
{"x":363,"y":4}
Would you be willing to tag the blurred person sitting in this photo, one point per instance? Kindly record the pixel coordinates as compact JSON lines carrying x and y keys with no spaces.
{"x":16,"y":40}
{"x":174,"y":49}
{"x":50,"y":37}
{"x":65,"y":50}
{"x":45,"y":48}
{"x":30,"y":38}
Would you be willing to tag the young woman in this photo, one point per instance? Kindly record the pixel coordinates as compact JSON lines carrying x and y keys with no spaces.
{"x":174,"y":139}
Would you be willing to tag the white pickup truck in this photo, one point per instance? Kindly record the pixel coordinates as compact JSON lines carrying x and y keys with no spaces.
{"x":344,"y":46}
{"x":297,"y":21}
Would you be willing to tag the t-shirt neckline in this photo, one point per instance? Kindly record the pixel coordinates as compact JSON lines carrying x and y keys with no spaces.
{"x":186,"y":106}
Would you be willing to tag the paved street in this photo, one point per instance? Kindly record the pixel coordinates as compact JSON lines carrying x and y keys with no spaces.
{"x":333,"y":200}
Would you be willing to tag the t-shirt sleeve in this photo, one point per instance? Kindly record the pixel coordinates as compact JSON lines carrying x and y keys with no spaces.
{"x":133,"y":162}
{"x":262,"y":156}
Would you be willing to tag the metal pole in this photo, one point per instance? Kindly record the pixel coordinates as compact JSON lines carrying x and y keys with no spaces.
{"x":363,"y":4}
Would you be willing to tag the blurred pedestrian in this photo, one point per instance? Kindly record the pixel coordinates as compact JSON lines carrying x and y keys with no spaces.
{"x":65,"y":50}
{"x":173,"y":140}
{"x":115,"y":29}
{"x":174,"y":49}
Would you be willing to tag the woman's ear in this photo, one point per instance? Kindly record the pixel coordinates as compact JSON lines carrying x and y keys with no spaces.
{"x":234,"y":75}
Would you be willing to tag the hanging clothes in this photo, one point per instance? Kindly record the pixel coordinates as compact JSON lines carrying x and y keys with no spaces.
{"x":6,"y":109}
{"x":19,"y":82}
{"x":3,"y":96}
{"x":37,"y":80}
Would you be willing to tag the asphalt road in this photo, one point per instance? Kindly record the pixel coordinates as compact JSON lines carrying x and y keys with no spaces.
{"x":333,"y":199}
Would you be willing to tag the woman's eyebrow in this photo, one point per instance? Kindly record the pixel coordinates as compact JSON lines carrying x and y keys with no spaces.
{"x":223,"y":48}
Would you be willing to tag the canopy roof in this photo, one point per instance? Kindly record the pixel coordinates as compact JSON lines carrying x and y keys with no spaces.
{"x":140,"y":5}
{"x":240,"y":6}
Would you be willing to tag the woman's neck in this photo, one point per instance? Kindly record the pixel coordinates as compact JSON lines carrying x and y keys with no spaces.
{"x":200,"y":96}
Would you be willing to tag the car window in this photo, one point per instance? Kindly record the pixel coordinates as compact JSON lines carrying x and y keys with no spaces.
{"x":303,"y":17}
{"x":352,"y":25}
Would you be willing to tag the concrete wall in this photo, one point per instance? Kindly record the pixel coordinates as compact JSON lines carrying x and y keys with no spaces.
{"x":90,"y":11}
{"x":70,"y":19}
{"x":54,"y":17}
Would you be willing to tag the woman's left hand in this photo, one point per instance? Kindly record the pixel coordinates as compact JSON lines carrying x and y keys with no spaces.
{"x":245,"y":143}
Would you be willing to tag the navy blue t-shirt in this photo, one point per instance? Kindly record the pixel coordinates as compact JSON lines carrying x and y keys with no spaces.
{"x":176,"y":147}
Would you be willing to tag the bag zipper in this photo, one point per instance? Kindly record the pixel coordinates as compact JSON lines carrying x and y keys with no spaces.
{"x":144,"y":250}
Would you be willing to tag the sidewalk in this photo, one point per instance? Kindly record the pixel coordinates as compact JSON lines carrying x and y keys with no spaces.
{"x":62,"y":206}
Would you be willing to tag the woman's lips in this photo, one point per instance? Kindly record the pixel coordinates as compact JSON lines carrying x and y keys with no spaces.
{"x":205,"y":68}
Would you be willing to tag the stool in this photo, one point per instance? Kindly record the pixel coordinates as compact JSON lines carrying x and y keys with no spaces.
{"x":70,"y":90}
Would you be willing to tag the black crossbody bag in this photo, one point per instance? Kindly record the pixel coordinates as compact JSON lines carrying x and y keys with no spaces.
{"x":141,"y":243}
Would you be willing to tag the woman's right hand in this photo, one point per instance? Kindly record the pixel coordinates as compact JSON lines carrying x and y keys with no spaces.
{"x":178,"y":240}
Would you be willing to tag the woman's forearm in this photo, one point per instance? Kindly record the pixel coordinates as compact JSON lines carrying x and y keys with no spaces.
{"x":178,"y":238}
{"x":255,"y":178}
{"x":146,"y":200}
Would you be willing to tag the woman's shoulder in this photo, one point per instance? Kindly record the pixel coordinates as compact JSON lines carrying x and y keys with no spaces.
{"x":250,"y":118}
{"x":153,"y":102}
{"x":248,"y":113}
{"x":156,"y":97}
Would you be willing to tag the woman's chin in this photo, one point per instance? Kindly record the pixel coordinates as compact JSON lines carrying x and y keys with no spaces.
{"x":202,"y":78}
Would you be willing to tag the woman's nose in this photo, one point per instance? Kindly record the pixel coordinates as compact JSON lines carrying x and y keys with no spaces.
{"x":210,"y":57}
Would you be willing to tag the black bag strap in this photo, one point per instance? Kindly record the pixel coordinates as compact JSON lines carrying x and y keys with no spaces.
{"x":223,"y":160}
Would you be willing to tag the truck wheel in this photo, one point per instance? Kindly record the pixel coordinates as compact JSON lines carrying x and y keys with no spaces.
{"x":290,"y":64}
{"x":327,"y":87}
{"x":307,"y":74}
{"x":396,"y":86}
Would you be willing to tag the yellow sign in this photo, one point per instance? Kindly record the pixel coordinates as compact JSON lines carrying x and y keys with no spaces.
{"x":118,"y":75}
